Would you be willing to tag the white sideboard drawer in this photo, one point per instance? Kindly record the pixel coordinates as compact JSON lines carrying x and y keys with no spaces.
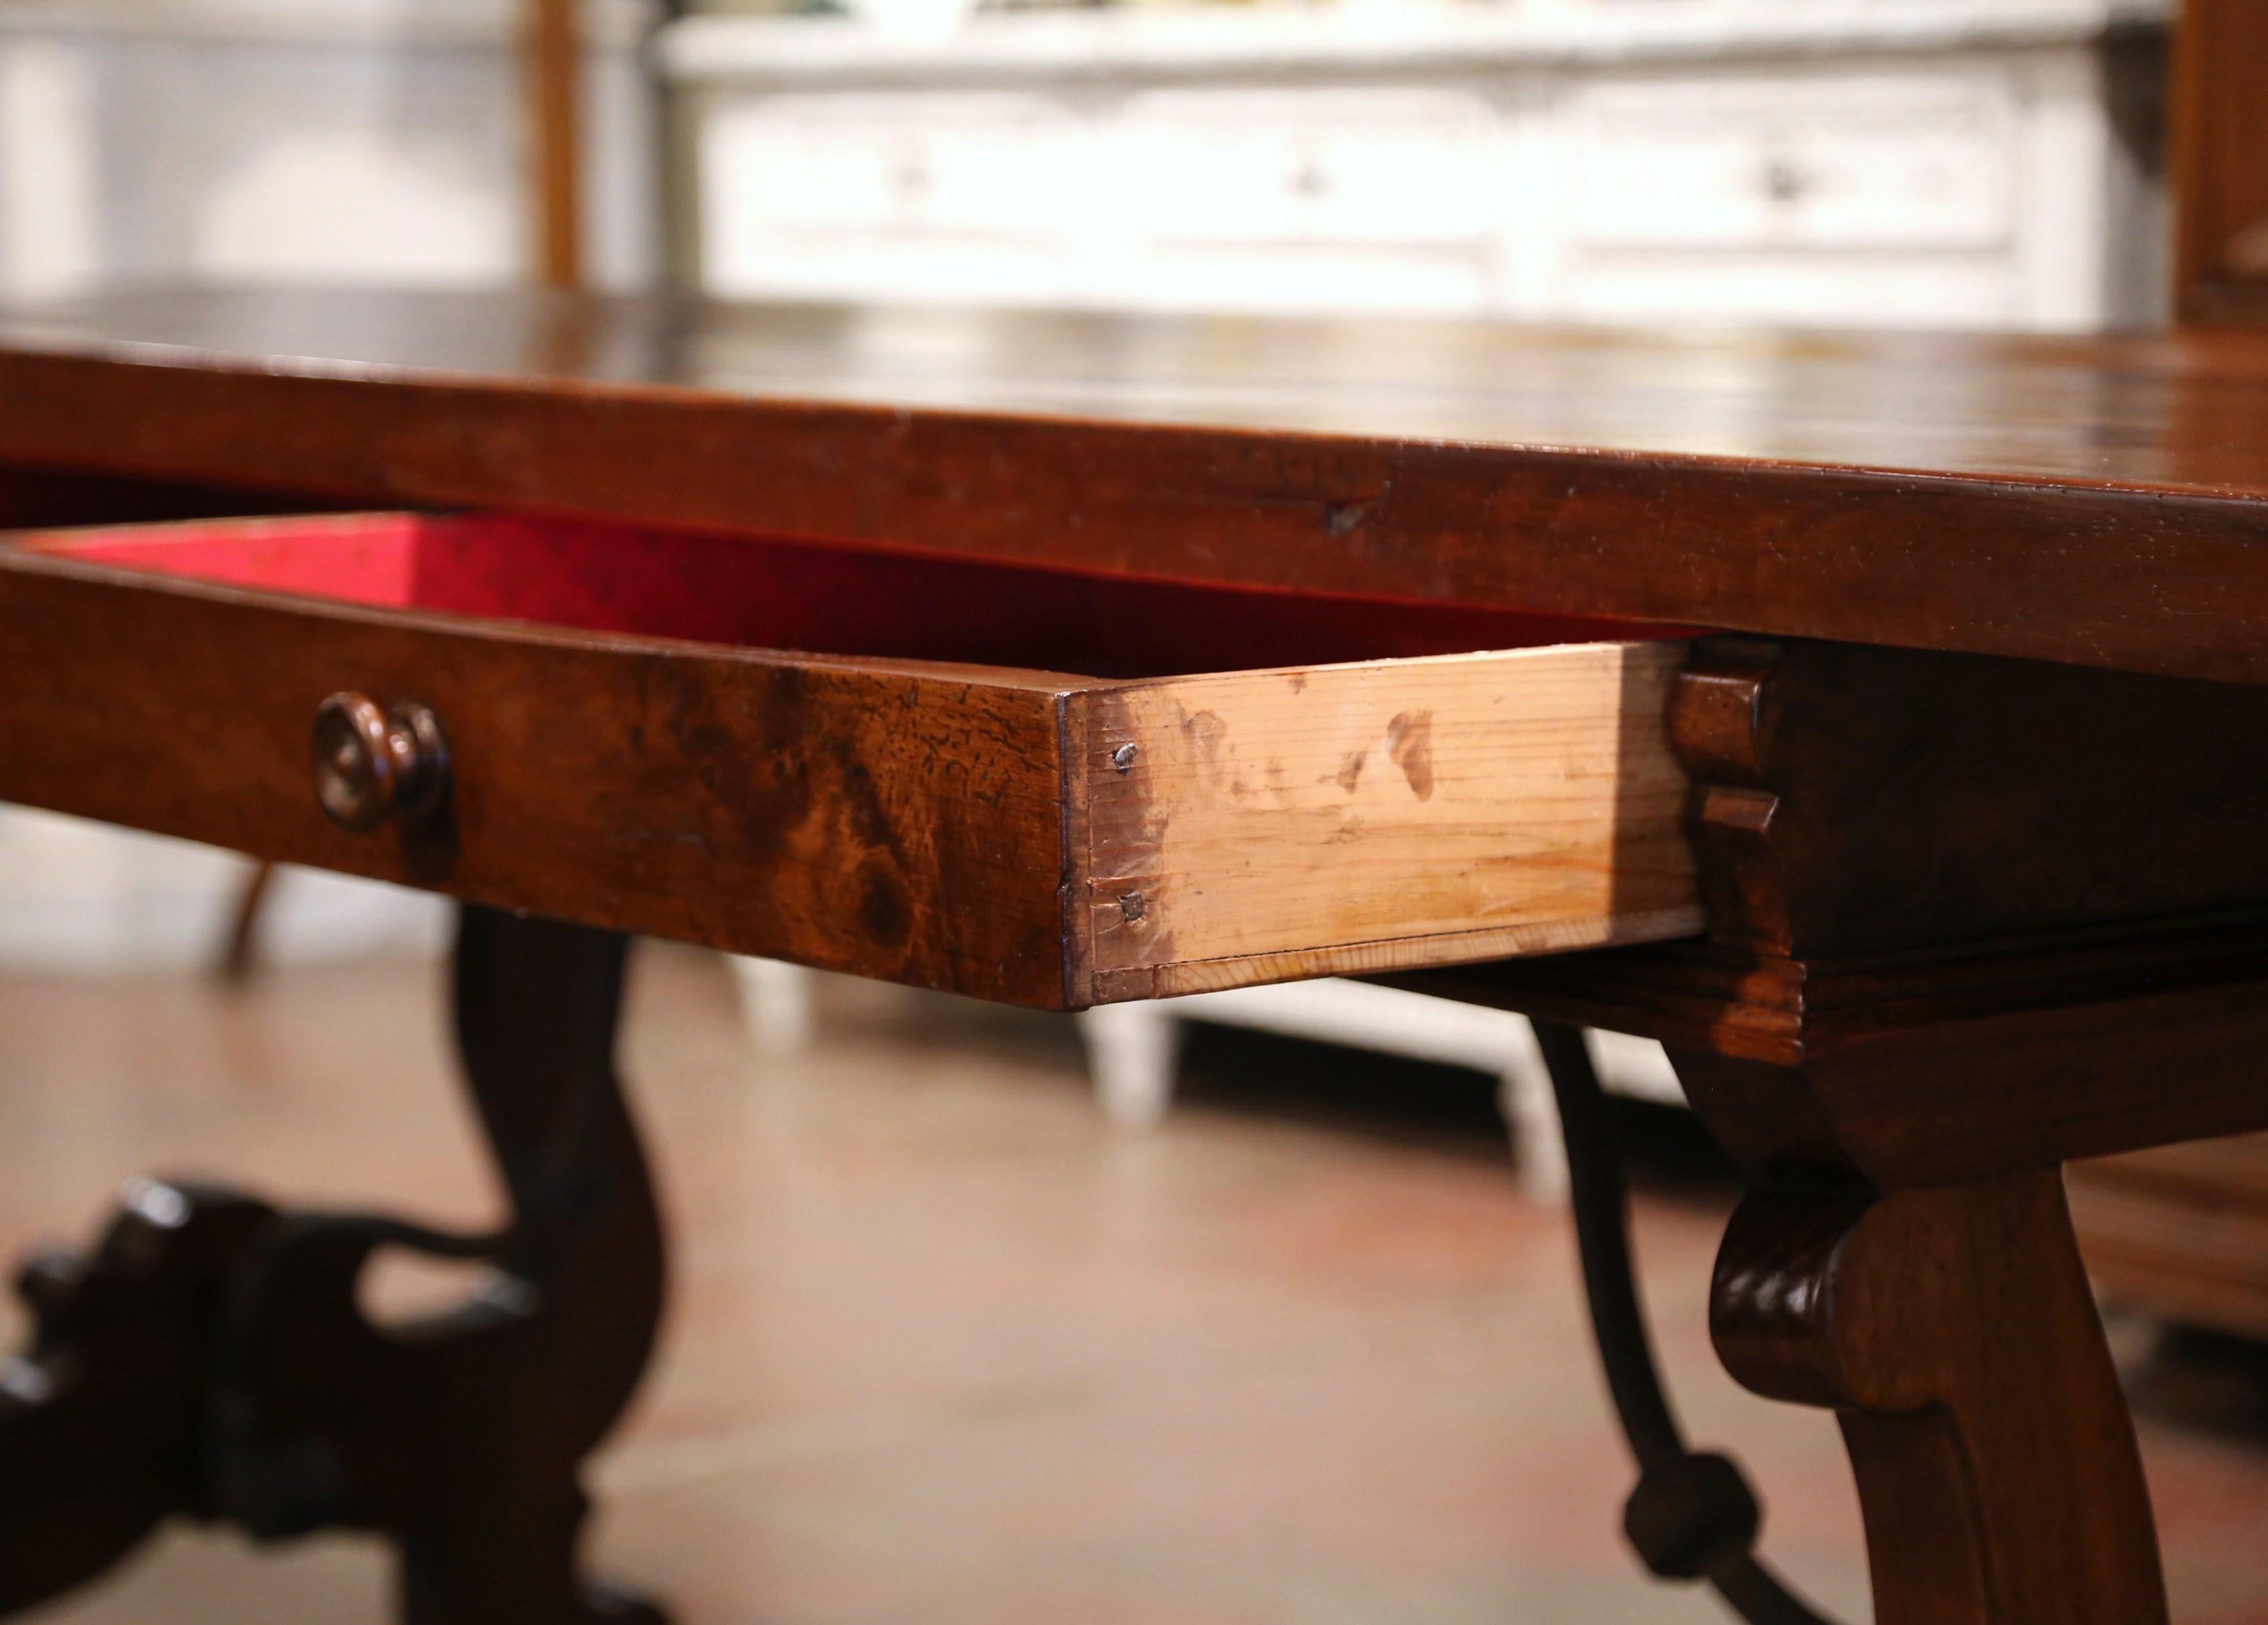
{"x":1133,"y":159}
{"x":1331,"y":164}
{"x":936,"y":161}
{"x":928,"y":196}
{"x":1914,"y":159}
{"x":803,"y":161}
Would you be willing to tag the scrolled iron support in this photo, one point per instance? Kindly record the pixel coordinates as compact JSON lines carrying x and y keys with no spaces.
{"x":1692,"y":1515}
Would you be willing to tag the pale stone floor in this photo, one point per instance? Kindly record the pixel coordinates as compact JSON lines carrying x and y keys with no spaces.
{"x":947,"y":1350}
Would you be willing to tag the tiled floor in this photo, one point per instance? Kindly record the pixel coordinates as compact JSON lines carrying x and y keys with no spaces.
{"x":945,"y":1348}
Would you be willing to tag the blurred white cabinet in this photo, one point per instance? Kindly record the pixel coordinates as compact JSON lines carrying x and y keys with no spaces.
{"x":1978,"y":162}
{"x":850,"y":195}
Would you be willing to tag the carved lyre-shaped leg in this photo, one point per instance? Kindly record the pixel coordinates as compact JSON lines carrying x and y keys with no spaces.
{"x":1952,"y":1330}
{"x":461,"y":1438}
{"x":1891,"y":846}
{"x":210,"y":1357}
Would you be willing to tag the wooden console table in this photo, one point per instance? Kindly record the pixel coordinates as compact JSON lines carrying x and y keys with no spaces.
{"x":1888,"y":717}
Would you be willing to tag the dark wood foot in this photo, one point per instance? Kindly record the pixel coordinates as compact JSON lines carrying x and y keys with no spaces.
{"x":1952,"y":1332}
{"x":518,"y":1562}
{"x":100,"y":1417}
{"x":211,"y":1360}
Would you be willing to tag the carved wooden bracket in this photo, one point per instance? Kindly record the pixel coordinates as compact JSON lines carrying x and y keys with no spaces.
{"x":1952,"y":1332}
{"x":1853,"y":802}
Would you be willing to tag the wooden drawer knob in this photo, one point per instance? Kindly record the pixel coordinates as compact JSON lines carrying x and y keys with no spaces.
{"x":372,"y":764}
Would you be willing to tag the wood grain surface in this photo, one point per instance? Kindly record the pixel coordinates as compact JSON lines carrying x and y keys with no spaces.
{"x":1861,"y":817}
{"x":800,"y":806}
{"x":971,"y":827}
{"x":2097,"y":501}
{"x":1860,"y":801}
{"x":2220,"y":133}
{"x":1353,"y":817}
{"x":1968,"y":915}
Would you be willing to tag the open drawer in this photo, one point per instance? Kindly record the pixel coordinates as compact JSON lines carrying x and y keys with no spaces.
{"x":864,"y":760}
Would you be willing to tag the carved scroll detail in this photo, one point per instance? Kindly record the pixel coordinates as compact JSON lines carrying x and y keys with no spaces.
{"x":1952,"y":1332}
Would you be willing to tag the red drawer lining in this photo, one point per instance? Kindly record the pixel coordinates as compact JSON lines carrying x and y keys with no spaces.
{"x":790,"y":595}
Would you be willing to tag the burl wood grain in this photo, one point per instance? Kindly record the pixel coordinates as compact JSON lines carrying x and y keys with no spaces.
{"x":1953,"y":1333}
{"x":1272,"y":824}
{"x":901,"y":822}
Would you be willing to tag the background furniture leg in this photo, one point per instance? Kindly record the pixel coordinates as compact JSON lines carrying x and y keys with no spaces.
{"x":239,"y":955}
{"x":779,"y":1003}
{"x":1524,"y":1094}
{"x":461,"y":1437}
{"x":1132,"y":1051}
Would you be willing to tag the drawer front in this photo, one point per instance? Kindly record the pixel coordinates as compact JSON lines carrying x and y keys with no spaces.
{"x":933,"y":162}
{"x":785,"y":808}
{"x":1012,"y":834}
{"x":1836,"y":161}
{"x":1321,"y":166}
{"x":830,"y":196}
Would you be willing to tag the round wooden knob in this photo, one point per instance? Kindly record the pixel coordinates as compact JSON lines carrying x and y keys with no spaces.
{"x":372,"y":765}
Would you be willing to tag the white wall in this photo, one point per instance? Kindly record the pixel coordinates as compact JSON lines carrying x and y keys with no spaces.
{"x":79,"y":898}
{"x":298,"y":140}
{"x":361,"y":141}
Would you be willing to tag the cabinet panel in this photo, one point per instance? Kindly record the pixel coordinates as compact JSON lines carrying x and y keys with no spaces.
{"x":1833,"y":161}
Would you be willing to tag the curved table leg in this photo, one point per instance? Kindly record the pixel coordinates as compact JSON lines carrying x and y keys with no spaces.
{"x":1952,"y":1330}
{"x":210,"y":1358}
{"x":461,"y":1438}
